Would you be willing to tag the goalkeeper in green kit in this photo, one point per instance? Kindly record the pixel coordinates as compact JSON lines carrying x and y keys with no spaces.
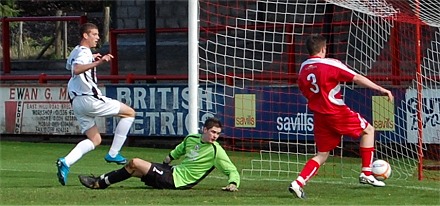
{"x":201,"y":153}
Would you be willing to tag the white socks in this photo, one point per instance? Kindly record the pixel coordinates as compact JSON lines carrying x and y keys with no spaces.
{"x":120,"y":136}
{"x":87,"y":145}
{"x":80,"y":149}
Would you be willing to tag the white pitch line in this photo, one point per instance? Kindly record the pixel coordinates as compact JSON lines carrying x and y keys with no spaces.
{"x":16,"y":170}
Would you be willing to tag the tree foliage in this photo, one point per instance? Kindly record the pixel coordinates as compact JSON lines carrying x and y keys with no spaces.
{"x":49,"y":8}
{"x":8,"y":8}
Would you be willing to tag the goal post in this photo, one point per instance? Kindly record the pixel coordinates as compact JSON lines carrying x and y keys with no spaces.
{"x":193,"y":63}
{"x":249,"y":56}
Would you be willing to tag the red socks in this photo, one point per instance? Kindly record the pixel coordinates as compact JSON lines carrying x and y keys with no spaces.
{"x":367,"y":159}
{"x":307,"y":172}
{"x":312,"y":166}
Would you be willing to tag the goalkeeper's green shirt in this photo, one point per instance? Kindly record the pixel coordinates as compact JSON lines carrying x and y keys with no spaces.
{"x":200,"y":160}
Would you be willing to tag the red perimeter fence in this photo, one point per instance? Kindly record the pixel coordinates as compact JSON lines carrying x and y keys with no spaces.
{"x":129,"y":78}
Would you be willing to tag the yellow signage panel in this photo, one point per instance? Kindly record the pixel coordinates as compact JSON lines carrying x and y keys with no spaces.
{"x":383,"y":114}
{"x":245,"y":115}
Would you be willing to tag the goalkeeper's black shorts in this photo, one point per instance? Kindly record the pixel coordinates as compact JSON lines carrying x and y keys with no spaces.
{"x":160,"y":176}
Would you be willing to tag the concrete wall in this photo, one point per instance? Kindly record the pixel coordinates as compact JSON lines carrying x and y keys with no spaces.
{"x":172,"y":52}
{"x":169,"y":14}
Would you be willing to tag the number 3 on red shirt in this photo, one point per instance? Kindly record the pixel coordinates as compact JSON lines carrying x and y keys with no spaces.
{"x":312,"y":78}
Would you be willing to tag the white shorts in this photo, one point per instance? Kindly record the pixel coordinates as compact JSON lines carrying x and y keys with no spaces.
{"x":86,"y":108}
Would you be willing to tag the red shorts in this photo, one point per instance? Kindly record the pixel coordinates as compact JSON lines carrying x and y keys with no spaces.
{"x":328,"y":129}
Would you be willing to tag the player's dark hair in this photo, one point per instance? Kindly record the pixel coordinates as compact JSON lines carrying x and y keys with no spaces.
{"x":315,"y":43}
{"x":212,"y":122}
{"x":85,"y":28}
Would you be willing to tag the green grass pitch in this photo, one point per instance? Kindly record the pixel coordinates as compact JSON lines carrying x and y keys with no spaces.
{"x":28,"y":177}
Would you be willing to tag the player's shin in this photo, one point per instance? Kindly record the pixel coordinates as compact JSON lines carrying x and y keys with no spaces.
{"x":113,"y":177}
{"x":367,"y":155}
{"x":307,"y":172}
{"x":120,"y":136}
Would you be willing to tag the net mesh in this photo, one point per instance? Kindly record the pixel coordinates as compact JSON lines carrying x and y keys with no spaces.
{"x":250,"y":52}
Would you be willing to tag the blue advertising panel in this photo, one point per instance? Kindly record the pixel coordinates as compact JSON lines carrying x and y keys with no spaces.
{"x":282,"y":114}
{"x":161,"y":110}
{"x":360,"y":100}
{"x":280,"y":111}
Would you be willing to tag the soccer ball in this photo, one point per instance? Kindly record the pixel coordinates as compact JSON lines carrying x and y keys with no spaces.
{"x":381,"y":170}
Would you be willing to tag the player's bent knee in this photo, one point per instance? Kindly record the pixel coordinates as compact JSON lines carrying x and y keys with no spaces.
{"x":97,"y":142}
{"x":96,"y":139}
{"x":126,"y":111}
{"x":132,"y":164}
{"x":370,"y":129}
{"x":131,"y":112}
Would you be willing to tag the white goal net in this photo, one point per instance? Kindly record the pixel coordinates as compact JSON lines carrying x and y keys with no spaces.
{"x":250,"y":52}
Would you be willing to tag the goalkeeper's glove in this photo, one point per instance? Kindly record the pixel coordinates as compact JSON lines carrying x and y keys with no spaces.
{"x":232,"y":187}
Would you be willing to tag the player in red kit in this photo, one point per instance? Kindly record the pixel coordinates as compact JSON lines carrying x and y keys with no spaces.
{"x":319,"y":81}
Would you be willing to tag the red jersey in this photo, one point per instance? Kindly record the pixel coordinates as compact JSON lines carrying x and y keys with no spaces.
{"x":319,"y":80}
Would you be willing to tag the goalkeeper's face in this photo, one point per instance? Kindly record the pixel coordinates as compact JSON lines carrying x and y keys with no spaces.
{"x":211,"y":135}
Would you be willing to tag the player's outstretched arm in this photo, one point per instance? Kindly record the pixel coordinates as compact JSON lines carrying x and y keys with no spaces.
{"x":224,"y":164}
{"x":364,"y":81}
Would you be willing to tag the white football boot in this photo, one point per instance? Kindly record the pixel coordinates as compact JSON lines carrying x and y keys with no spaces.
{"x":297,"y":190}
{"x":371,"y":180}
